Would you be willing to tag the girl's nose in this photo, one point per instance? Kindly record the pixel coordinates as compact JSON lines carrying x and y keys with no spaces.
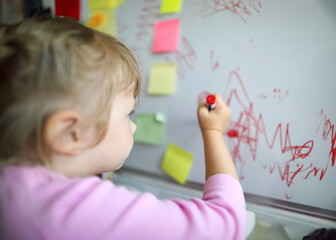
{"x":133,"y":127}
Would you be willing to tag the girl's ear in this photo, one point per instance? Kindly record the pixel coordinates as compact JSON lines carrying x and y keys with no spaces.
{"x":63,"y":134}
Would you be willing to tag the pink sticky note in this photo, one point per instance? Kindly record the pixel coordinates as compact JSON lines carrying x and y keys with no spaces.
{"x":166,"y":35}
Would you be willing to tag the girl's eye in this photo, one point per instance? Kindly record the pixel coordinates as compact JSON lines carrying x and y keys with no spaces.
{"x":131,"y":115}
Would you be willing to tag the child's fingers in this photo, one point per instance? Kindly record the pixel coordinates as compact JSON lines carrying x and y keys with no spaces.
{"x":202,"y":109}
{"x":221,"y":107}
{"x":220,"y":104}
{"x":215,"y":119}
{"x":219,"y":100}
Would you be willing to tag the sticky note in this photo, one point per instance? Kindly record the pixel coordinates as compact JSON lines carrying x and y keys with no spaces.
{"x":67,"y":8}
{"x":103,"y":20}
{"x":166,"y":35}
{"x":151,"y":128}
{"x":177,"y":163}
{"x":170,"y":6}
{"x":97,"y":20}
{"x":103,"y":4}
{"x":162,"y":79}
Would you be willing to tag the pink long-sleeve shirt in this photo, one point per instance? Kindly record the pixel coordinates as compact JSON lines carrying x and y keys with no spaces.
{"x":38,"y":204}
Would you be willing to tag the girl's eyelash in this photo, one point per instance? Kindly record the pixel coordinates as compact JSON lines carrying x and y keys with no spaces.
{"x":131,"y":113}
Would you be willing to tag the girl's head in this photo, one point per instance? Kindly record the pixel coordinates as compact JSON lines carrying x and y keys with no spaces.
{"x":51,"y":65}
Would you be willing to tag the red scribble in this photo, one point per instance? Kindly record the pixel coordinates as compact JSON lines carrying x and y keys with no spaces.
{"x":232,"y":133}
{"x":263,"y":96}
{"x":328,"y":130}
{"x":185,"y":57}
{"x":214,"y":63}
{"x":241,"y":8}
{"x":287,"y":174}
{"x":121,"y":28}
{"x":149,"y":14}
{"x":248,"y":129}
{"x":280,"y":94}
{"x":316,"y":170}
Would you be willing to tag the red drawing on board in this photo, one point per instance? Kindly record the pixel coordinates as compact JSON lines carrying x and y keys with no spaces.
{"x":121,"y":28}
{"x":240,"y":8}
{"x":248,"y":131}
{"x":329,"y":134}
{"x":280,"y":94}
{"x":149,"y":14}
{"x":214,"y":62}
{"x":277,"y":94}
{"x":185,"y":57}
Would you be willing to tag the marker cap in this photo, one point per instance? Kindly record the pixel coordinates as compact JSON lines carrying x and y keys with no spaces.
{"x":211,"y":99}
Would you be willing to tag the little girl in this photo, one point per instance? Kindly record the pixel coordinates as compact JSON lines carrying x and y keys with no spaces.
{"x":66,"y":93}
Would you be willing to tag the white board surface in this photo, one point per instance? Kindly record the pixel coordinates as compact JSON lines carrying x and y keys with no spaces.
{"x":274,"y":62}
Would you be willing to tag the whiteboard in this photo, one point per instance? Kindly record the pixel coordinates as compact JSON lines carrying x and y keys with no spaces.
{"x":274,"y":62}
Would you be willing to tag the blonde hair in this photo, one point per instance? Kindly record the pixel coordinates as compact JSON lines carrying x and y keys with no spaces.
{"x":51,"y":64}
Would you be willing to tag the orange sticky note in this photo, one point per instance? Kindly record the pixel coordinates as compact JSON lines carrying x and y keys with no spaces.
{"x":103,"y":20}
{"x":166,"y":35}
{"x":97,"y":20}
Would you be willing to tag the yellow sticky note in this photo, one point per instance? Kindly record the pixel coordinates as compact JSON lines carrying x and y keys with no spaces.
{"x":170,"y":6}
{"x":177,"y":163}
{"x":103,"y":20}
{"x":101,"y":4}
{"x":162,"y":79}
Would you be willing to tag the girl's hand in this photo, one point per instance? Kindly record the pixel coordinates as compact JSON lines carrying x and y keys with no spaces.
{"x":216,"y":119}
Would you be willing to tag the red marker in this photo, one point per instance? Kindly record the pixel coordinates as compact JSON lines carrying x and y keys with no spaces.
{"x":211,"y":101}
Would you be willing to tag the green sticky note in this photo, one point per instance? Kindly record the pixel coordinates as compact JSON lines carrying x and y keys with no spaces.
{"x":170,"y":6}
{"x":177,"y":163}
{"x":151,"y":128}
{"x":162,"y":79}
